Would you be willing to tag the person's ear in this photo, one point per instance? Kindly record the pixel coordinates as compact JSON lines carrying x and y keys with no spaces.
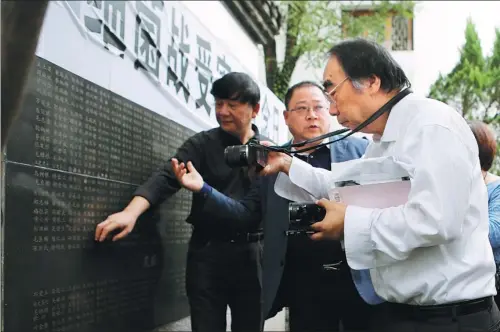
{"x":373,"y":84}
{"x":255,"y":110}
{"x":286,"y":114}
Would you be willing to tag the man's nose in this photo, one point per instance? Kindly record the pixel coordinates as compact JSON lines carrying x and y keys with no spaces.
{"x":333,"y":110}
{"x":222,"y":110}
{"x":311,"y":113}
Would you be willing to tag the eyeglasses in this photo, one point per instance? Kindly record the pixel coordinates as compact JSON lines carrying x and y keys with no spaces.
{"x":329,"y":94}
{"x":303,"y":109}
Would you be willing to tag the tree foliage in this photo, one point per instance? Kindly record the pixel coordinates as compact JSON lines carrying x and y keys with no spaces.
{"x":473,"y":86}
{"x":312,"y":27}
{"x":492,"y":90}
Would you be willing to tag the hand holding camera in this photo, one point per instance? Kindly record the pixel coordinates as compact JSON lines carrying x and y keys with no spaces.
{"x":302,"y":215}
{"x":323,"y":220}
{"x":260,"y":156}
{"x":332,"y":225}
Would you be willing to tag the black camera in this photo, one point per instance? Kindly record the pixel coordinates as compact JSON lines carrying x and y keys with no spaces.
{"x":302,"y":216}
{"x":245,"y":156}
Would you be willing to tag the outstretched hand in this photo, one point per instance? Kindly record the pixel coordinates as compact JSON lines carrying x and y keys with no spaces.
{"x":192,"y":181}
{"x":123,"y":221}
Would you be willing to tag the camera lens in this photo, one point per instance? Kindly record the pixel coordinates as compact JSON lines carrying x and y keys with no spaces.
{"x":236,"y":155}
{"x":305,"y":213}
{"x":295,"y":211}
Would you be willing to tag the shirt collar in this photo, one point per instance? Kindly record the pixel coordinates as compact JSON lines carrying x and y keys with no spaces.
{"x":394,"y":121}
{"x":326,"y":140}
{"x":256,"y":132}
{"x":236,"y":140}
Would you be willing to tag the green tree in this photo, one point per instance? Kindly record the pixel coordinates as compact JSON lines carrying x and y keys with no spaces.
{"x":472,"y":87}
{"x":492,"y":91}
{"x":463,"y":87}
{"x":312,"y":27}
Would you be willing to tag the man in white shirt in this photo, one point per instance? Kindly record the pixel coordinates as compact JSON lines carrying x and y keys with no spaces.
{"x":430,"y":258}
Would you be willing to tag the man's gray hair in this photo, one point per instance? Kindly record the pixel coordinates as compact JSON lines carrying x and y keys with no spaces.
{"x":357,"y":84}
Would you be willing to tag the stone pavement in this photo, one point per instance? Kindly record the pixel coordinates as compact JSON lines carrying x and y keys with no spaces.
{"x":276,"y":323}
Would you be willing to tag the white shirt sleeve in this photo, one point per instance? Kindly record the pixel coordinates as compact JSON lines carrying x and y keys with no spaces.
{"x":307,"y":183}
{"x":315,"y":181}
{"x":304,"y":182}
{"x":434,"y":214}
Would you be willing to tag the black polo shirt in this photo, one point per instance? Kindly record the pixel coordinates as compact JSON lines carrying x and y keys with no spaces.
{"x":306,"y":256}
{"x":320,"y":158}
{"x":206,"y":151}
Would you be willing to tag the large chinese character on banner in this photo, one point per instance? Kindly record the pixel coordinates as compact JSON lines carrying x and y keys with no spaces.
{"x":147,"y":36}
{"x":181,"y":54}
{"x":112,"y":28}
{"x":203,"y":63}
{"x":178,"y":51}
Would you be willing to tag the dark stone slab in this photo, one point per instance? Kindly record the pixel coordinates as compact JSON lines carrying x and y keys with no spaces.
{"x":76,"y":154}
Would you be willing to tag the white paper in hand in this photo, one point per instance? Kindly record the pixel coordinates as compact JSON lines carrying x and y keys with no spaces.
{"x":375,"y":195}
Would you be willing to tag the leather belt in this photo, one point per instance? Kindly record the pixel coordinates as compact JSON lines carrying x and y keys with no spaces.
{"x":445,"y":310}
{"x":231,"y":238}
{"x":239,"y":238}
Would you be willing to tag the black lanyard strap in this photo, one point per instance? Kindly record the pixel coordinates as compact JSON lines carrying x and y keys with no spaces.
{"x":385,"y":108}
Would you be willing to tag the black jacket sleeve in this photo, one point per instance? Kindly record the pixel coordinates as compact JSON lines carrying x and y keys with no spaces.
{"x":163,"y":183}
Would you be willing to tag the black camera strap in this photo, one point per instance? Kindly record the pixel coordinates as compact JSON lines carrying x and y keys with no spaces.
{"x":385,"y":108}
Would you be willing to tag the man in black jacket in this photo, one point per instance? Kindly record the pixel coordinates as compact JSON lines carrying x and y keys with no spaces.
{"x":224,"y":259}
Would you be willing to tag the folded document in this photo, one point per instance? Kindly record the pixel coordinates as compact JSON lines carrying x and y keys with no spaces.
{"x":368,"y":182}
{"x":375,"y":195}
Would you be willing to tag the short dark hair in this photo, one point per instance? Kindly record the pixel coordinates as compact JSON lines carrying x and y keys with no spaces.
{"x":362,"y":59}
{"x":486,"y":143}
{"x":238,"y":87}
{"x":291,"y":90}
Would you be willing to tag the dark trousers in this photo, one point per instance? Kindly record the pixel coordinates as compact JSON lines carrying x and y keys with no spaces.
{"x":391,"y":318}
{"x":320,"y":299}
{"x":329,"y":305}
{"x":222,"y":274}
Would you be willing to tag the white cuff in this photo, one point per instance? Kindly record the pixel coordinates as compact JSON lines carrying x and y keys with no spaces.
{"x":359,"y":247}
{"x":285,"y":188}
{"x":297,"y":170}
{"x":309,"y":178}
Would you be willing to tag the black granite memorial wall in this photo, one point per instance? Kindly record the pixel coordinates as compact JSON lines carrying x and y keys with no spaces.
{"x":75,"y":155}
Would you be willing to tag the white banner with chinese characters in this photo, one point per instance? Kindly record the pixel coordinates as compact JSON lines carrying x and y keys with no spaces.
{"x":154,"y":53}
